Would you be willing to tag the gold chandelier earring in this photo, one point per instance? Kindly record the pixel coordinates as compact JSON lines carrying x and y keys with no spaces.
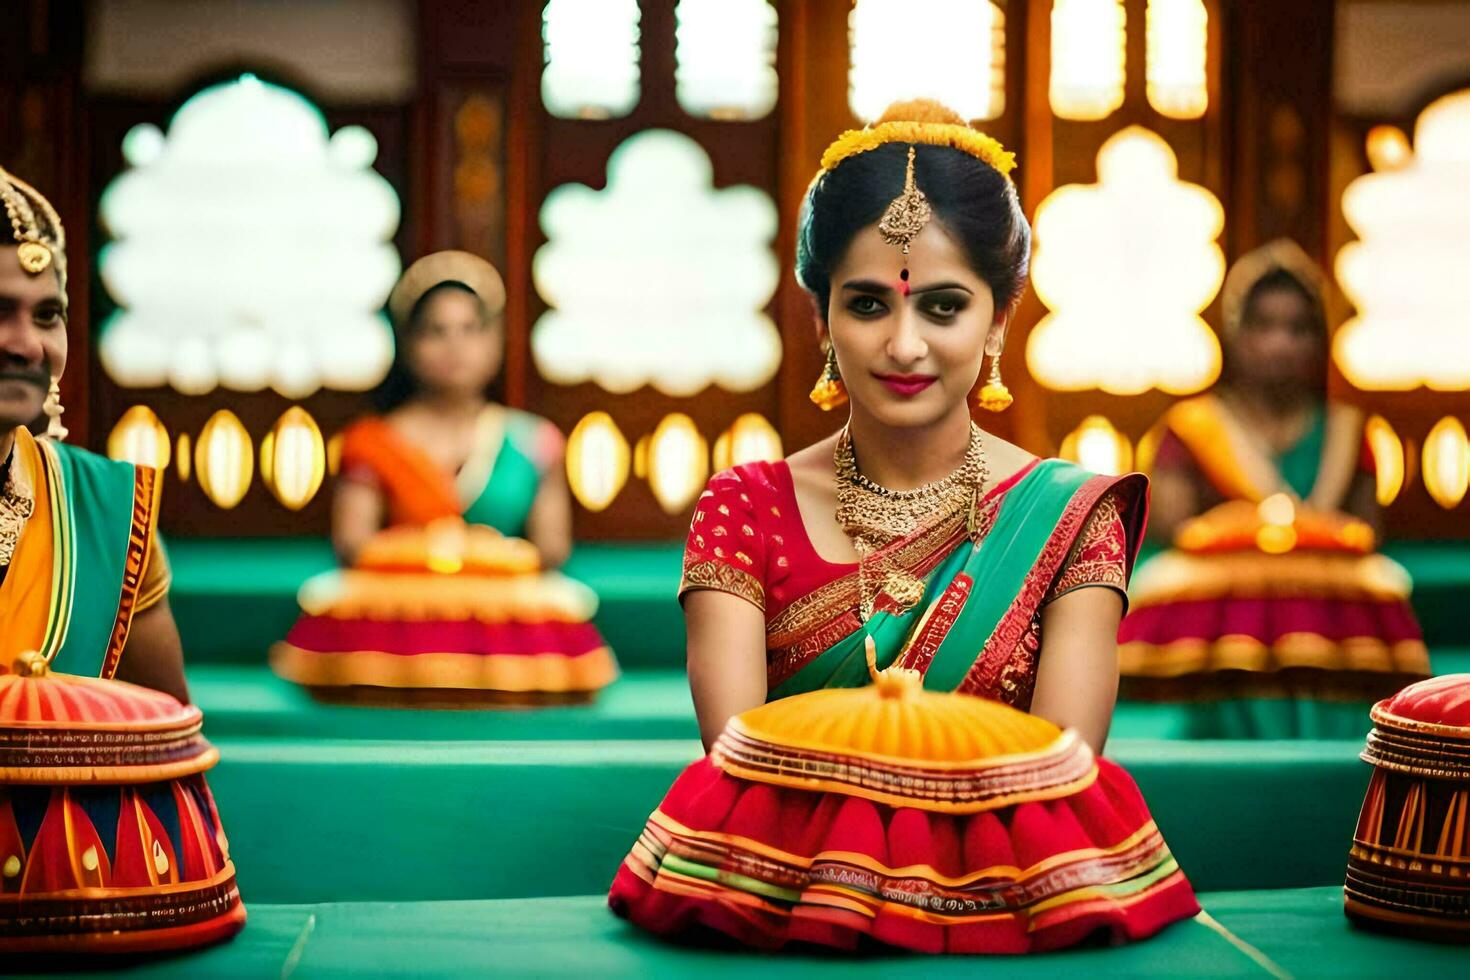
{"x":52,"y":408}
{"x":995,"y":396}
{"x":829,"y":392}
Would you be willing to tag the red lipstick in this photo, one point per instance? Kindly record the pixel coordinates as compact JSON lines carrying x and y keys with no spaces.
{"x":906,"y":385}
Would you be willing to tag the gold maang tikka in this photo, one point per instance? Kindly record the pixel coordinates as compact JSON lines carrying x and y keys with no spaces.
{"x":905,"y":216}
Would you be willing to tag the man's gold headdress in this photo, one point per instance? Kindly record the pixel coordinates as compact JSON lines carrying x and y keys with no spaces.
{"x":35,"y":227}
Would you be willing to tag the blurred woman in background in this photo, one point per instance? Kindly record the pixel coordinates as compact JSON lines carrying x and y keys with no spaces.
{"x":1265,"y":487}
{"x":447,"y":509}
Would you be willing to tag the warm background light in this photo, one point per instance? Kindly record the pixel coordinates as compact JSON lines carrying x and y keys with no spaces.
{"x":252,"y":249}
{"x":950,"y":50}
{"x":592,"y":51}
{"x":1125,"y":266}
{"x":1388,"y":148}
{"x":139,"y":437}
{"x":224,"y":459}
{"x":726,"y":58}
{"x":1447,"y":462}
{"x":749,"y":439}
{"x":1406,"y":274}
{"x":674,"y":460}
{"x":1096,"y":445}
{"x":1177,"y":44}
{"x":597,"y":461}
{"x":660,"y":279}
{"x":1388,"y":459}
{"x":293,"y":458}
{"x":1089,"y":40}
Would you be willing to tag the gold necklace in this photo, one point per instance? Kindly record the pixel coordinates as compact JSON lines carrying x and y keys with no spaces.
{"x":874,"y":517}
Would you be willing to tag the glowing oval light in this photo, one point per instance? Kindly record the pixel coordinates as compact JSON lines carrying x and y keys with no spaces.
{"x":1388,"y":459}
{"x":1096,"y":445}
{"x":184,"y":457}
{"x":1089,"y":40}
{"x":1177,"y":41}
{"x":224,"y":458}
{"x":1447,"y":462}
{"x":597,"y":461}
{"x":1388,"y":148}
{"x":293,"y":459}
{"x":677,"y":462}
{"x":334,"y":455}
{"x":139,"y":437}
{"x":750,"y":439}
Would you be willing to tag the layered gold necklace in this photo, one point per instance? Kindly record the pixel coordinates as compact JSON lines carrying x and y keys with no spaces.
{"x":874,"y":517}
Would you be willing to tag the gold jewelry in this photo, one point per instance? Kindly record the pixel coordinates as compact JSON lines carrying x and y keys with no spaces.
{"x":875,"y":517}
{"x":34,"y":225}
{"x":52,"y":407}
{"x":829,"y":392}
{"x":995,"y":396}
{"x":906,"y":215}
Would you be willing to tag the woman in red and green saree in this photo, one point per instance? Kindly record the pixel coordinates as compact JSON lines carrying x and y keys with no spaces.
{"x":448,"y":508}
{"x":917,"y":550}
{"x":1272,"y":615}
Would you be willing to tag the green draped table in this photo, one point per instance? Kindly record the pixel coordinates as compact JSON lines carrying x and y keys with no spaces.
{"x":251,"y":702}
{"x":1292,"y":933}
{"x":233,"y":598}
{"x":313,"y":821}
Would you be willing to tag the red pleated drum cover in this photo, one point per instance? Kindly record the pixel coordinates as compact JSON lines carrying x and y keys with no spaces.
{"x":1409,"y":867}
{"x":940,"y":823}
{"x":109,"y":838}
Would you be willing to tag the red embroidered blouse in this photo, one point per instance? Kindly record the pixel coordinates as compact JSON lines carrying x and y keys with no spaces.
{"x":747,"y":539}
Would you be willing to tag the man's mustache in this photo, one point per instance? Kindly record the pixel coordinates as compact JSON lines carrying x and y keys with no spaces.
{"x":40,"y":379}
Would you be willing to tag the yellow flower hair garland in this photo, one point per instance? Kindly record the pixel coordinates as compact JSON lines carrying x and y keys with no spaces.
{"x":963,"y":138}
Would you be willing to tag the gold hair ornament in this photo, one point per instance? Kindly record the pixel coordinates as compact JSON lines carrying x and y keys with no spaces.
{"x":906,"y":214}
{"x":26,"y":209}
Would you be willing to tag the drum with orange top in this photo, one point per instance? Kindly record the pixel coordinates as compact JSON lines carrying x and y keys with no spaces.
{"x":892,"y":815}
{"x":109,"y":837}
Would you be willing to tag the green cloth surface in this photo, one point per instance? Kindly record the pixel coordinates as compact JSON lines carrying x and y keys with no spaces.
{"x":252,"y":702}
{"x":233,"y":598}
{"x":1298,"y":933}
{"x":314,"y":821}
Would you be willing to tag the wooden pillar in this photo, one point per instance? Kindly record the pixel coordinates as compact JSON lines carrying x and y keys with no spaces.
{"x":1279,"y":108}
{"x":44,"y":141}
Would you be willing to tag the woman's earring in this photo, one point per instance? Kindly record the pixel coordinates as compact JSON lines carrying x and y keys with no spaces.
{"x":995,"y":396}
{"x":53,"y":410}
{"x":829,"y":392}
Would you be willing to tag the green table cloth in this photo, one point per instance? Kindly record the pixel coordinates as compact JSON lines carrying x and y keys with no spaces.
{"x":233,"y":598}
{"x":312,"y":821}
{"x":1299,"y":933}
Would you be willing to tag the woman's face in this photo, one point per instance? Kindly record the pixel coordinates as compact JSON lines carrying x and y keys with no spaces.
{"x":909,"y":360}
{"x":454,"y":349}
{"x":1279,"y":341}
